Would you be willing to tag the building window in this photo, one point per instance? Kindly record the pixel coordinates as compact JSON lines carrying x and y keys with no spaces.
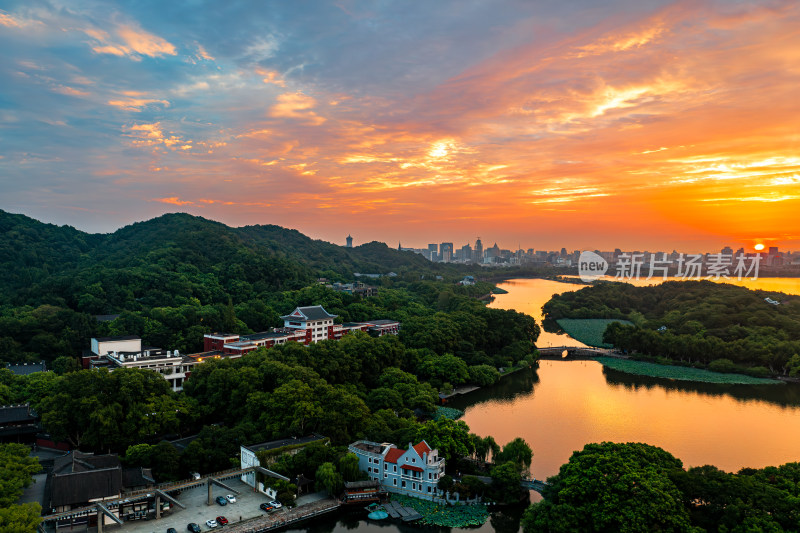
{"x":395,"y":468}
{"x":385,"y":466}
{"x":403,"y":484}
{"x":429,"y":489}
{"x":395,"y":482}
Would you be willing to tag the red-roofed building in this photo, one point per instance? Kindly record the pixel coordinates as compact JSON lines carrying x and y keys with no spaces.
{"x":414,"y":471}
{"x":306,"y":325}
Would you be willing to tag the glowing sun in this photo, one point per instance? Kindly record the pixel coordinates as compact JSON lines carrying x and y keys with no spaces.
{"x":759,"y":247}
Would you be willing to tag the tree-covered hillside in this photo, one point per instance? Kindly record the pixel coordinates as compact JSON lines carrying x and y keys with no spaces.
{"x":176,"y":277}
{"x":173,"y":256}
{"x":694,"y":322}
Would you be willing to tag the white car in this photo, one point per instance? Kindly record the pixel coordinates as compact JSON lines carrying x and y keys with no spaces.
{"x":211,"y":523}
{"x":231,"y":498}
{"x":275,"y":504}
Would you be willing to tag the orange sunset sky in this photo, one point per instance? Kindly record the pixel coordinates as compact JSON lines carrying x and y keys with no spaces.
{"x":641,"y":125}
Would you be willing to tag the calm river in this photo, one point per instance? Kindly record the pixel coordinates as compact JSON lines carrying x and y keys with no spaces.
{"x":564,"y":405}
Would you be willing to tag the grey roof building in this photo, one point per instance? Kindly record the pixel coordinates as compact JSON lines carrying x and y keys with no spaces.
{"x":23,"y":369}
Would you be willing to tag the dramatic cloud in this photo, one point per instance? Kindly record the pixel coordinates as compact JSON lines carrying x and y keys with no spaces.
{"x":644,"y":124}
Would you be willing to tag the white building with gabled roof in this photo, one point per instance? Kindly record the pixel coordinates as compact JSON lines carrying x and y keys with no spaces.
{"x":414,"y":472}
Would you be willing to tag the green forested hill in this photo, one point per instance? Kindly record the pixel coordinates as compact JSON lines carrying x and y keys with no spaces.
{"x":172,"y":278}
{"x":175,"y":255}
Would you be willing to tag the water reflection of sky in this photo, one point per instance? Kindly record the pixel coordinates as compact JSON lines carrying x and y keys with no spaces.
{"x":565,"y":405}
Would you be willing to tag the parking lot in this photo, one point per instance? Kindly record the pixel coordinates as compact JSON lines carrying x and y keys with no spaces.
{"x":198,"y":511}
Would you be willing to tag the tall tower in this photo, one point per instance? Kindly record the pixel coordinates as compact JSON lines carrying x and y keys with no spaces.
{"x":349,"y":241}
{"x":478,"y":255}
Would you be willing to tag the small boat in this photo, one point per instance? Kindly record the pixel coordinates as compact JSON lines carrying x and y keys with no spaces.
{"x":376,"y":512}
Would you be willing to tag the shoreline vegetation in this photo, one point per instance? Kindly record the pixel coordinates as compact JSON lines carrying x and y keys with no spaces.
{"x":589,"y":331}
{"x":680,"y":373}
{"x":704,"y":325}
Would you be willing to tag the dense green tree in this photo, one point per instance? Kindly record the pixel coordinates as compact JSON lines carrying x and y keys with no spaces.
{"x":483,"y":375}
{"x":348,"y":466}
{"x":506,"y":482}
{"x":105,"y":411}
{"x":517,"y":451}
{"x":23,"y":518}
{"x":327,"y":478}
{"x":612,"y":487}
{"x":451,"y":437}
{"x":16,"y":470}
{"x":64,"y":364}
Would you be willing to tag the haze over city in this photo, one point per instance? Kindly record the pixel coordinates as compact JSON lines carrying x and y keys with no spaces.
{"x":639,"y":125}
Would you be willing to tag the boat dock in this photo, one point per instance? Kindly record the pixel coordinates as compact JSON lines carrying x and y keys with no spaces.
{"x":395,"y":510}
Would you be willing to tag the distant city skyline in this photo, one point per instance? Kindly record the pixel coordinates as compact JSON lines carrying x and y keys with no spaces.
{"x":641,"y":124}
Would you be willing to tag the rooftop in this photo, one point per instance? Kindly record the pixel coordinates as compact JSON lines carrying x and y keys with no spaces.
{"x":313,"y":312}
{"x":272,"y":445}
{"x":10,"y":414}
{"x":23,"y":369}
{"x":113,"y":339}
{"x":369,"y":447}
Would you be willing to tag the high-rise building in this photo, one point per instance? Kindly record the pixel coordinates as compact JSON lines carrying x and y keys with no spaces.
{"x":446,"y":251}
{"x":433,"y":252}
{"x":349,"y":242}
{"x":478,"y":254}
{"x":466,"y":253}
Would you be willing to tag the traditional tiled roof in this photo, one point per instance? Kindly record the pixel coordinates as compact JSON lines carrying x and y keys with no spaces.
{"x":314,"y":312}
{"x":81,"y":462}
{"x":10,"y":414}
{"x":133,"y":478}
{"x":23,"y":369}
{"x":393,"y":455}
{"x":409,"y":467}
{"x":81,"y":487}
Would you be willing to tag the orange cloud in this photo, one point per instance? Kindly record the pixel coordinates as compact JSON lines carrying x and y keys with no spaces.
{"x":129,"y":40}
{"x":174,"y":200}
{"x":296,"y":105}
{"x":136,"y":104}
{"x":271,"y":76}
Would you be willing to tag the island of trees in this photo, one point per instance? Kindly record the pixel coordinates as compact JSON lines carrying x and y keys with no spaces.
{"x":712,"y":325}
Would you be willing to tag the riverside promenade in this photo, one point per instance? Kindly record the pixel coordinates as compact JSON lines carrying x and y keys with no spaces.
{"x":286,"y":517}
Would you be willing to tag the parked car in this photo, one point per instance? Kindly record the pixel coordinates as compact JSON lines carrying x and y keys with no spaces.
{"x":221,"y":500}
{"x":194,"y":528}
{"x":211,"y":523}
{"x":266,"y":507}
{"x":276,"y":504}
{"x":221,"y":520}
{"x":231,"y":498}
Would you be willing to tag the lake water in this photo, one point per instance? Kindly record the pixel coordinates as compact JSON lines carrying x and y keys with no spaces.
{"x":563,"y":405}
{"x":566,"y":404}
